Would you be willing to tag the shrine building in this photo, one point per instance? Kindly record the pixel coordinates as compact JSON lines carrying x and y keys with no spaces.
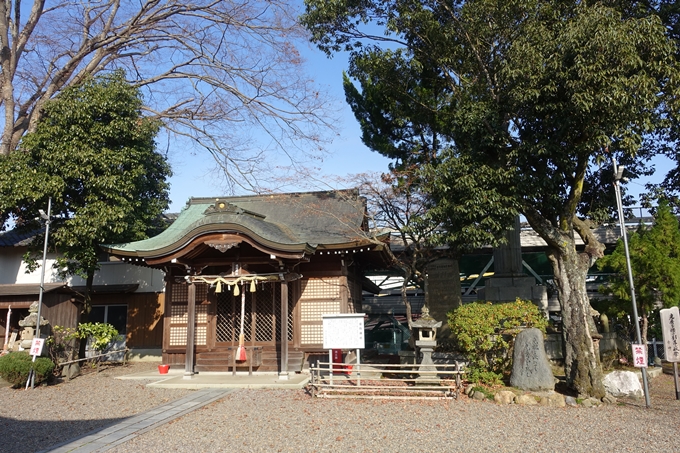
{"x":258,"y":272}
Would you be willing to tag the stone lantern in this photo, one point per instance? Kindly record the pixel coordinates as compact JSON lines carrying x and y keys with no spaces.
{"x":427,"y":332}
{"x":29,"y":323}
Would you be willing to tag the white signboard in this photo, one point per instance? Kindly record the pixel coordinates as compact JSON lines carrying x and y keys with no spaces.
{"x":639,"y":355}
{"x":36,"y":346}
{"x":343,"y":331}
{"x":670,"y":327}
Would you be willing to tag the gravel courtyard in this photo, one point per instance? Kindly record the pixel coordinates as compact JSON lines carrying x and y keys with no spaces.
{"x":291,"y":421}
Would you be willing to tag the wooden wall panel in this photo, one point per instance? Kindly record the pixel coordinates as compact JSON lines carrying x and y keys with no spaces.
{"x":174,"y":359}
{"x":60,"y":310}
{"x":144,"y":316}
{"x":145,"y":320}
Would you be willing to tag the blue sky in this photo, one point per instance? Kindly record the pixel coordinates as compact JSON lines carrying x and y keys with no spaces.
{"x":195,"y":175}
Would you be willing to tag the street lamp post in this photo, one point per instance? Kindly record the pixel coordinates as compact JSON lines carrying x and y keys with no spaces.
{"x":618,"y":175}
{"x":47,"y":219}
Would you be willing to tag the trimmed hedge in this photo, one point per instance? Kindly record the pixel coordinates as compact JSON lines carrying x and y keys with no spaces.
{"x":485,"y":333}
{"x":16,"y":366}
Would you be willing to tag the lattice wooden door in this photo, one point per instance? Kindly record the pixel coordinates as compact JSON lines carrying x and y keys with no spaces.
{"x":262,"y":316}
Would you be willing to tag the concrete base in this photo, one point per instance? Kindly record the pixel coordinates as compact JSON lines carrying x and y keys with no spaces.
{"x":145,"y":355}
{"x":175,"y":379}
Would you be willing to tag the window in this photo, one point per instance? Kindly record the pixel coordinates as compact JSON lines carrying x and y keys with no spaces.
{"x":116,"y":315}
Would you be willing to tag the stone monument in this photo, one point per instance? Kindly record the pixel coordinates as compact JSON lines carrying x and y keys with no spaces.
{"x":509,"y":281}
{"x":442,"y":290}
{"x":530,"y":366}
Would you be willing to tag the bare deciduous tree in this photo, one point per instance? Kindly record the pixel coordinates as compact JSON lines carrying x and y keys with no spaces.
{"x":223,"y":74}
{"x":396,"y":205}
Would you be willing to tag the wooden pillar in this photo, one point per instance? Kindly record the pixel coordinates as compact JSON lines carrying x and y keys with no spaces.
{"x":167,"y":310}
{"x":191,"y":327}
{"x":283,"y":374}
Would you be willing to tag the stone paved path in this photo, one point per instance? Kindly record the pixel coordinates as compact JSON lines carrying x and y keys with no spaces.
{"x":114,"y":435}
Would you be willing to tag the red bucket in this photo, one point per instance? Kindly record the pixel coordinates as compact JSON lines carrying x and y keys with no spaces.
{"x":163,"y":369}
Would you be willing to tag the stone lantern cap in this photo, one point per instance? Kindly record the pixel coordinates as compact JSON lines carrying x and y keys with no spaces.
{"x":32,"y":319}
{"x":426,"y":326}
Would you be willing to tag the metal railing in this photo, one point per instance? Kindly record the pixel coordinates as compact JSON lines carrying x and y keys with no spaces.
{"x":386,"y":381}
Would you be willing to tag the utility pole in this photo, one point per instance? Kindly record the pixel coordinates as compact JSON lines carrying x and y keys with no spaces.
{"x":618,"y":176}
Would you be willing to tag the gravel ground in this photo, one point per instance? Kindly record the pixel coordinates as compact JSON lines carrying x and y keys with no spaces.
{"x":32,"y":420}
{"x":291,"y":421}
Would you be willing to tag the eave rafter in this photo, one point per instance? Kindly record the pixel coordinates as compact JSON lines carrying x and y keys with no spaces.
{"x":223,"y":242}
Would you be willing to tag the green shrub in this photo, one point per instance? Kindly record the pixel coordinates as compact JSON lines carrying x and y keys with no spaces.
{"x":62,"y":346}
{"x":102,"y":334}
{"x":16,"y":366}
{"x":485,"y":332}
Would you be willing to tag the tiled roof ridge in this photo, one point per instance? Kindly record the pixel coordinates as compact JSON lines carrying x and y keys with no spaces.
{"x":203,"y":200}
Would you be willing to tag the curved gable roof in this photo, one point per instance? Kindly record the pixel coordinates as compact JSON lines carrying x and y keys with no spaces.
{"x":289,"y":222}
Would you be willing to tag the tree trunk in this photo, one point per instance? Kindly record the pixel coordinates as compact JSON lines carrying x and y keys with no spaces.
{"x":581,"y":358}
{"x":85,"y":312}
{"x":407,"y":303}
{"x":644,"y":327}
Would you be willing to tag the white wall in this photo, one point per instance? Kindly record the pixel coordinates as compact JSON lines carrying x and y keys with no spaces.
{"x":13,"y":270}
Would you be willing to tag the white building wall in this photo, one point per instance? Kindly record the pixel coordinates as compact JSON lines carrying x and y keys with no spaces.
{"x":13,"y":270}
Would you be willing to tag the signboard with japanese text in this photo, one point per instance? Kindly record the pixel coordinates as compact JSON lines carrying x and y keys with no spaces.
{"x":36,"y":346}
{"x":639,"y":355}
{"x":343,"y":331}
{"x":670,"y":327}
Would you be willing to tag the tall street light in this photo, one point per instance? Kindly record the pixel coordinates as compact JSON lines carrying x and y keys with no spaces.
{"x":47,"y":219}
{"x":618,"y":176}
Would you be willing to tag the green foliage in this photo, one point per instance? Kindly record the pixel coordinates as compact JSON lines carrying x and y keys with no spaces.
{"x":471,"y":202}
{"x":15,"y":368}
{"x":485,"y":333}
{"x":102,"y":334}
{"x":61,"y":345}
{"x":523,"y":102}
{"x":94,"y":153}
{"x":655,"y":263}
{"x":488,"y":394}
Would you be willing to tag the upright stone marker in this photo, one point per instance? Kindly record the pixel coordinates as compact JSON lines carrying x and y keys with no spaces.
{"x":509,"y":281}
{"x":530,"y":366}
{"x":442,"y":293}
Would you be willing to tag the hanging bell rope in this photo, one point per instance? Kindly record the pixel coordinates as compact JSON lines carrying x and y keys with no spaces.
{"x":241,"y":350}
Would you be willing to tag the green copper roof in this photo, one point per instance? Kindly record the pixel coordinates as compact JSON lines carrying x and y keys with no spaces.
{"x":293,"y":221}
